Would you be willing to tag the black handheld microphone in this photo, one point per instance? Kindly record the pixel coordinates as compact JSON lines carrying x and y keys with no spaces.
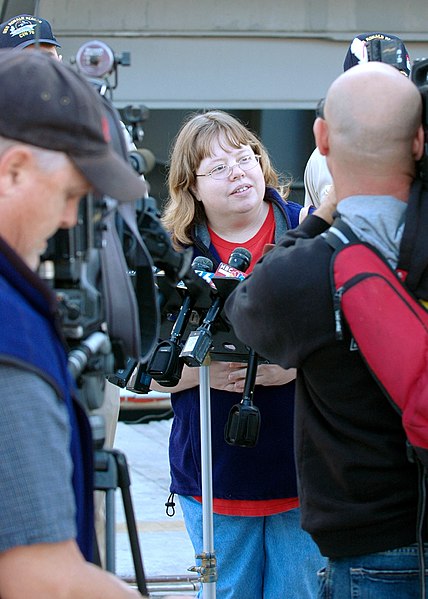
{"x":243,"y":424}
{"x":240,"y":258}
{"x":203,"y":267}
{"x":237,"y":265}
{"x":165,"y":365}
{"x":199,"y":342}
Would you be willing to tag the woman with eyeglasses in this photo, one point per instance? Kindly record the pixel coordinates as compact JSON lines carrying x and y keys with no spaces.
{"x":225,"y":193}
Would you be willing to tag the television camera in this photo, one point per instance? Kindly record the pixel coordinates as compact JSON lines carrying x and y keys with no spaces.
{"x":102,"y":270}
{"x":390,"y":52}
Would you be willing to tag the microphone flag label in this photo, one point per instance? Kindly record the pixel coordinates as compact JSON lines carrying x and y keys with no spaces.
{"x":206,"y":276}
{"x":224,"y":270}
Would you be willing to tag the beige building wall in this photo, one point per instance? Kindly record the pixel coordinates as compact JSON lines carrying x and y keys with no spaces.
{"x":252,"y":54}
{"x":267,"y":61}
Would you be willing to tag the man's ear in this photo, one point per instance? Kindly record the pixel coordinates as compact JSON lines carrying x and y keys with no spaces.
{"x":320,"y":130}
{"x":419,"y":144}
{"x":14,"y":163}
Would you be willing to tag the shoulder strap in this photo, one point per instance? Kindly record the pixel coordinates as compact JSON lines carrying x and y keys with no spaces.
{"x":339,"y":234}
{"x":134,"y":320}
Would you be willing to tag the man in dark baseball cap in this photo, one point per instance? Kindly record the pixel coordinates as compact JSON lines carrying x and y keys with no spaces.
{"x":54,"y":149}
{"x":47,"y":104}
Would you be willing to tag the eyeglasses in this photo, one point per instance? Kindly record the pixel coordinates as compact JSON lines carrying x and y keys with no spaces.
{"x":223,"y":171}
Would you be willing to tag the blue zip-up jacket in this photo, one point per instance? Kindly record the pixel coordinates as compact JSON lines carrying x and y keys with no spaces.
{"x":31,"y":339}
{"x":266,"y":471}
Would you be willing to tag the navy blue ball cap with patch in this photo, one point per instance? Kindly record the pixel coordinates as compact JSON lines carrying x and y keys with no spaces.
{"x":358,"y":53}
{"x":23,"y":30}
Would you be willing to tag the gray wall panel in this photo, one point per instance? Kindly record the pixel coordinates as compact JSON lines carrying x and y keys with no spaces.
{"x":269,"y":62}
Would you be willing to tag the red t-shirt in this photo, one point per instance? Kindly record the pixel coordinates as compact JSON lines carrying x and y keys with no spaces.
{"x":255,"y":245}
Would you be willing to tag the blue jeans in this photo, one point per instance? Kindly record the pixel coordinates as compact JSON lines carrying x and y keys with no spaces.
{"x":390,"y":574}
{"x":268,"y":557}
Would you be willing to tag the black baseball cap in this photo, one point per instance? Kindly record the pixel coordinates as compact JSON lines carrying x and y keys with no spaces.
{"x":23,"y":30}
{"x":357,"y":51}
{"x":48,"y":104}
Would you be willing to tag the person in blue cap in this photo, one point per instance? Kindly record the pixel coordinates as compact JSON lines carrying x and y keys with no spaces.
{"x":29,"y":32}
{"x":317,"y":177}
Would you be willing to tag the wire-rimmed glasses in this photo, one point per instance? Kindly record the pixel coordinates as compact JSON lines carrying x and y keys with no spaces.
{"x":223,"y":171}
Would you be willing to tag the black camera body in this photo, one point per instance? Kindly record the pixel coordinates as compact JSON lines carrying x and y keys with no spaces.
{"x":74,"y":266}
{"x":419,"y":76}
{"x":390,"y":52}
{"x":103,"y":269}
{"x":71,"y":267}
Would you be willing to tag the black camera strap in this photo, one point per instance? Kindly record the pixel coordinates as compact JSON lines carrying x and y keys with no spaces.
{"x":135,"y":323}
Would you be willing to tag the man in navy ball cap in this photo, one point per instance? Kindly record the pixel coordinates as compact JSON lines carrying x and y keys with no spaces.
{"x":27,"y":34}
{"x":357,"y":52}
{"x":27,"y":31}
{"x":317,"y":177}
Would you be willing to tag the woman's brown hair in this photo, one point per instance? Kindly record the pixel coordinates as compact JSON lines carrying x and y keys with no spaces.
{"x":192,"y":144}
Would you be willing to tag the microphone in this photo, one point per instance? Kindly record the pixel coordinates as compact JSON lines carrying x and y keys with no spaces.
{"x":240,"y":258}
{"x":165,"y":365}
{"x":199,"y":342}
{"x":123,"y":377}
{"x":203,"y":267}
{"x":202,"y":264}
{"x":243,"y":424}
{"x":238,"y":263}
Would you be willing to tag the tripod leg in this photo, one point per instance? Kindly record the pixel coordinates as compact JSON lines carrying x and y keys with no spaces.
{"x":96,"y":550}
{"x":124,"y":484}
{"x":110,"y":531}
{"x":111,"y":472}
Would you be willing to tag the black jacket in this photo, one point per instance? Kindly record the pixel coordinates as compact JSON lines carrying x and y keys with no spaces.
{"x":358,"y":491}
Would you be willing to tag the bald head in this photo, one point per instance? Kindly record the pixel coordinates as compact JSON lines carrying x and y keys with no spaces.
{"x":372,"y":117}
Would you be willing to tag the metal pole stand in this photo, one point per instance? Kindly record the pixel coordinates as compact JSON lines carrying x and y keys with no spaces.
{"x":111,"y":472}
{"x":208,"y":568}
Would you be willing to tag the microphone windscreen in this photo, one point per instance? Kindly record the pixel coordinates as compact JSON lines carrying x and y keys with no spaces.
{"x":240,"y":258}
{"x":202,"y":263}
{"x":204,"y":267}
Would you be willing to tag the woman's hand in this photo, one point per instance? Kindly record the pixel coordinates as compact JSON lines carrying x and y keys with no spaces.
{"x":230,"y":376}
{"x":220,"y":373}
{"x":267,"y":375}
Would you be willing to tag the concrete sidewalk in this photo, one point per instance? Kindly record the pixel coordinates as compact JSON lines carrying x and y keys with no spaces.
{"x":167,"y":552}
